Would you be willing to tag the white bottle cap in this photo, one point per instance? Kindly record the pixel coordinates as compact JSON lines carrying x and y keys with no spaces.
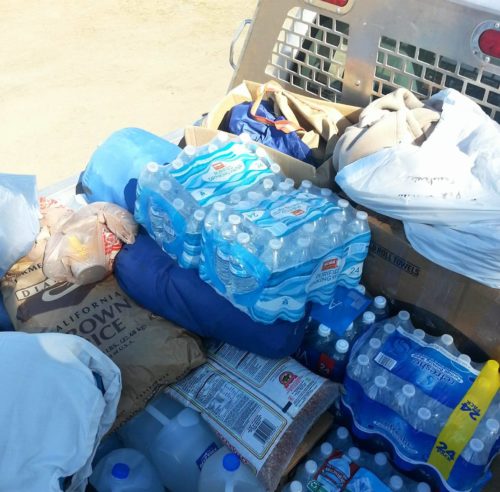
{"x":245,"y":138}
{"x":275,"y":168}
{"x":152,"y":167}
{"x":165,"y":185}
{"x":375,"y":343}
{"x":360,"y":215}
{"x":464,"y":358}
{"x":311,"y":467}
{"x":420,"y":334}
{"x":303,"y":242}
{"x":290,"y":182}
{"x":380,"y":381}
{"x":222,"y":137}
{"x":361,"y":289}
{"x":243,"y":238}
{"x":368,"y":318}
{"x":255,"y":196}
{"x":296,"y":486}
{"x":423,"y":487}
{"x":476,"y":445}
{"x":342,"y":346}
{"x":177,"y":164}
{"x":404,"y":315}
{"x":380,"y":302}
{"x":326,"y":192}
{"x":275,"y":195}
{"x":267,"y":184}
{"x":326,"y":449}
{"x":389,"y":328}
{"x":342,"y":433}
{"x":343,"y":203}
{"x":424,"y":413}
{"x":493,"y":425}
{"x":178,"y":203}
{"x":396,"y":482}
{"x":234,"y":219}
{"x":354,"y":453}
{"x":219,"y":206}
{"x":324,"y":331}
{"x":275,"y":244}
{"x":199,"y":214}
{"x":306,"y":184}
{"x":380,"y":459}
{"x":189,"y":150}
{"x":447,"y":340}
{"x":363,"y":360}
{"x":234,"y":198}
{"x":187,"y":418}
{"x":283,"y":186}
{"x":409,"y":390}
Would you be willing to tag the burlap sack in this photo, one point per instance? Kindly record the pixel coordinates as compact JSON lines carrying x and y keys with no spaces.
{"x":150,"y":351}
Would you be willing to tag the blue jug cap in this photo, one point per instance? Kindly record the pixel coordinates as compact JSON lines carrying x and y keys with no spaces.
{"x":231,"y":462}
{"x":120,"y":471}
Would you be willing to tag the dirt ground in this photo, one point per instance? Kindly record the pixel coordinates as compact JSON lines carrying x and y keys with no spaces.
{"x":73,"y":72}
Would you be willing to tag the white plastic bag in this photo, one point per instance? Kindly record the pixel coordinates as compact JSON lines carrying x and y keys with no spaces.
{"x":473,"y":250}
{"x":451,"y":179}
{"x":18,"y":218}
{"x":59,"y":398}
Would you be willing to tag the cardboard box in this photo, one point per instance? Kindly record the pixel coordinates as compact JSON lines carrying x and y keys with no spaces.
{"x":441,"y":300}
{"x":342,"y":114}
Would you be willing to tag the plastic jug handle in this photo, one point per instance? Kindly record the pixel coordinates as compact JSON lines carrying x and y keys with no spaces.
{"x":155,"y":413}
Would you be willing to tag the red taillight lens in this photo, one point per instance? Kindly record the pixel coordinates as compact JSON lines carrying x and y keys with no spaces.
{"x":338,"y":3}
{"x":489,"y":43}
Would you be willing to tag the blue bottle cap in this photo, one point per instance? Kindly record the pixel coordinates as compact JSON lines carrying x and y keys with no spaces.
{"x":120,"y":471}
{"x":231,"y":462}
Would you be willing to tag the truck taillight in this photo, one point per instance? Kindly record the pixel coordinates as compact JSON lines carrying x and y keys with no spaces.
{"x":338,"y":3}
{"x":489,"y":43}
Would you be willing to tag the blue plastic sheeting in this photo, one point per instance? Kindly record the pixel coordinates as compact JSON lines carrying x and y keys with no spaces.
{"x":112,"y":172}
{"x":156,"y":282}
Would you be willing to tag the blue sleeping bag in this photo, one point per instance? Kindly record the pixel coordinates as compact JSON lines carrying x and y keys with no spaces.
{"x":112,"y":172}
{"x":156,"y":282}
{"x":240,"y":120}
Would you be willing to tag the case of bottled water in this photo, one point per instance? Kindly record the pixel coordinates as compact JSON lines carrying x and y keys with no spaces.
{"x":227,"y":209}
{"x":172,"y":200}
{"x":418,"y":397}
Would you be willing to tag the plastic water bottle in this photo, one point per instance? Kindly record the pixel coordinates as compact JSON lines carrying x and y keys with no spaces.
{"x":364,"y":323}
{"x":350,"y":333}
{"x":305,"y":472}
{"x":488,"y":429}
{"x":354,"y":454}
{"x":241,"y":280}
{"x":340,"y":438}
{"x":380,"y":466}
{"x":419,"y":333}
{"x":403,"y":319}
{"x":396,"y":483}
{"x":389,"y":329}
{"x":346,"y":211}
{"x":294,"y":486}
{"x":224,"y":472}
{"x":475,"y":452}
{"x":374,"y":345}
{"x":192,"y":241}
{"x":378,"y":390}
{"x":361,"y":289}
{"x":181,"y":448}
{"x":322,"y":453}
{"x":359,"y":370}
{"x":340,"y":356}
{"x":125,"y":470}
{"x":446,"y":341}
{"x":216,"y":217}
{"x":272,"y":257}
{"x":267,"y":187}
{"x":277,"y":176}
{"x":306,"y":187}
{"x":327,"y":194}
{"x":424,"y":422}
{"x":404,"y":399}
{"x":380,"y":308}
{"x":228,"y":233}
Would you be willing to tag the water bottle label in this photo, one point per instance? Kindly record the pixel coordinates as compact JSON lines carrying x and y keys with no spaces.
{"x":200,"y":462}
{"x":210,"y":177}
{"x":325,"y":275}
{"x":222,"y":260}
{"x":438,"y":375}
